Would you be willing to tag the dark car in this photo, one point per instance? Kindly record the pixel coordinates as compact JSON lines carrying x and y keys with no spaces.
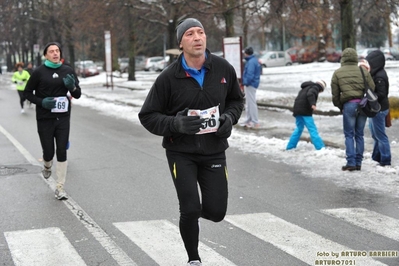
{"x":293,"y":52}
{"x":310,"y":54}
{"x":307,"y":54}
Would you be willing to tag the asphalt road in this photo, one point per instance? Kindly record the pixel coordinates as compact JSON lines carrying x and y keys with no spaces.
{"x":123,"y":208}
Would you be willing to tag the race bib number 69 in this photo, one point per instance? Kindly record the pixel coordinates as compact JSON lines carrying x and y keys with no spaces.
{"x":211,"y":117}
{"x":61,"y":105}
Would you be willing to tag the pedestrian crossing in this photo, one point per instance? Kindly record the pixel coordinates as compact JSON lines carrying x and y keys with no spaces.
{"x":372,"y":221}
{"x":41,"y":247}
{"x":161,"y":241}
{"x":292,"y":239}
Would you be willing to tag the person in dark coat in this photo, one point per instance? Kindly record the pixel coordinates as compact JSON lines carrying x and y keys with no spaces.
{"x":29,"y":68}
{"x":305,"y":104}
{"x":381,"y":150}
{"x":193,"y":104}
{"x":48,"y":88}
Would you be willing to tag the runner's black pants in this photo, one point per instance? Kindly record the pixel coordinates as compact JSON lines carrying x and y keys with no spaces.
{"x":51,"y":130}
{"x":210,"y":173}
{"x":21,"y":98}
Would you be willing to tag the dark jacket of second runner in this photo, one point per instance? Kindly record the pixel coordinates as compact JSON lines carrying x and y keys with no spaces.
{"x":174,"y":90}
{"x":48,"y":82}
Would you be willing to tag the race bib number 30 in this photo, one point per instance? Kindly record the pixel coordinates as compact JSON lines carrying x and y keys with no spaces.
{"x":61,"y":105}
{"x":211,"y":117}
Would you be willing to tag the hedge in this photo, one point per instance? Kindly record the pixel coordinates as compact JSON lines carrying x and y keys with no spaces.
{"x":394,"y":107}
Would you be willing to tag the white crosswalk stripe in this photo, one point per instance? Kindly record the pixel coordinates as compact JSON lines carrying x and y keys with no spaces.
{"x":160,"y":239}
{"x":42,"y":247}
{"x":369,"y":220}
{"x":290,"y":238}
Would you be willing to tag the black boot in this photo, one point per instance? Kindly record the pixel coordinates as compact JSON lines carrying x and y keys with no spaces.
{"x":349,"y":168}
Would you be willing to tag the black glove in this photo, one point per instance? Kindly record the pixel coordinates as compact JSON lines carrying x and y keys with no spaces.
{"x":48,"y":103}
{"x":186,"y":124}
{"x":225,"y":126}
{"x":69,"y":82}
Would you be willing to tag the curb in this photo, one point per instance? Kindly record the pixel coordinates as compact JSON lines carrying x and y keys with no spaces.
{"x":317,"y":112}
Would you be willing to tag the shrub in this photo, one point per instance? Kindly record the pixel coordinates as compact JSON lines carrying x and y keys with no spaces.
{"x":394,"y":107}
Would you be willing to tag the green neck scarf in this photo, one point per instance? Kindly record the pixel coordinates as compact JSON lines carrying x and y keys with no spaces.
{"x":50,"y":64}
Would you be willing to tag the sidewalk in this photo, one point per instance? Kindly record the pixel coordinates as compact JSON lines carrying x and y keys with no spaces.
{"x":275,"y":116}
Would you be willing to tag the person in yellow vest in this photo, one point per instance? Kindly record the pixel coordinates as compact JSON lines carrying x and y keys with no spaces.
{"x":20,"y":77}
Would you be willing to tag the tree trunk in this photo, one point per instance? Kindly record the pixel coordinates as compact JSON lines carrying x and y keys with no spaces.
{"x":132,"y":48}
{"x":245,"y":26}
{"x":229,"y":19}
{"x":347,"y":28}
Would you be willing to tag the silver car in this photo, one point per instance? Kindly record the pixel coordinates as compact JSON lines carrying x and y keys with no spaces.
{"x":275,"y":59}
{"x":152,"y":63}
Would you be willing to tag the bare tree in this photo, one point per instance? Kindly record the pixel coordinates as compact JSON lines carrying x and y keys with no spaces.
{"x":148,"y":27}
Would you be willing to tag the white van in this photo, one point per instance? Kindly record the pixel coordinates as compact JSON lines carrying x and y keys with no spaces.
{"x":275,"y":58}
{"x":151,"y":63}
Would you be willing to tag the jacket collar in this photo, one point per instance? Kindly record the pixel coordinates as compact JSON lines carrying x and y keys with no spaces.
{"x":181,"y":73}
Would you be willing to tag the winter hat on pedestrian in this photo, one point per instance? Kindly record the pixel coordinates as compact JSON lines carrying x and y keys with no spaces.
{"x":376,"y":60}
{"x":52,"y":43}
{"x":249,"y":50}
{"x":184,"y":25}
{"x":322,"y":84}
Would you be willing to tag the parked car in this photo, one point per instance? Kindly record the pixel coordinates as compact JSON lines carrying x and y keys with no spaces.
{"x":310,"y":54}
{"x":100,"y":66}
{"x":389,"y":57}
{"x":307,"y":54}
{"x":86,"y":69}
{"x":160,"y":65}
{"x":151,"y":62}
{"x":333,"y":55}
{"x":293,"y":52}
{"x":362,"y":53}
{"x":275,"y":58}
{"x":140,"y":62}
{"x":124,"y":63}
{"x":391,"y":51}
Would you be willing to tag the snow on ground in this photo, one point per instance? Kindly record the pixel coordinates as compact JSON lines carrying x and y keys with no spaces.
{"x":125,"y":104}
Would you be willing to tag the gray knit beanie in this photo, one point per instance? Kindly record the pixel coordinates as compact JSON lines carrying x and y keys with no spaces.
{"x":184,"y":25}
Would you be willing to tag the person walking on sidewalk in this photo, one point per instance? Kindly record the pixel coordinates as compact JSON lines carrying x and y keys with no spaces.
{"x":193,"y":104}
{"x":20,"y":77}
{"x":304,"y":105}
{"x":347,"y":88}
{"x":48,"y":88}
{"x":381,"y":150}
{"x":250,"y":80}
